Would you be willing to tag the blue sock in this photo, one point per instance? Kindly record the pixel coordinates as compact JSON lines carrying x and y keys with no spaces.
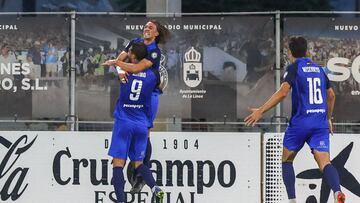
{"x":148,"y":154}
{"x":147,"y":176}
{"x":147,"y":157}
{"x":332,"y":177}
{"x":289,"y":178}
{"x":119,"y":183}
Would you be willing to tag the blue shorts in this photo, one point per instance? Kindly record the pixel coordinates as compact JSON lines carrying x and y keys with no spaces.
{"x":154,"y":108}
{"x":128,"y":139}
{"x":317,"y":139}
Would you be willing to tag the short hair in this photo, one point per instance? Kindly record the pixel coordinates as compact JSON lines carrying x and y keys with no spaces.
{"x":164,"y":33}
{"x":229,"y":64}
{"x":298,"y":47}
{"x":139,"y":50}
{"x":5,"y":45}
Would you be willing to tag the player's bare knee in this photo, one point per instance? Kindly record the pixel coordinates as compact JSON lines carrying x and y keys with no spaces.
{"x":287,"y":159}
{"x":322,"y":164}
{"x":288,"y":156}
{"x":322,"y":159}
{"x":138,"y":163}
{"x":118,"y":162}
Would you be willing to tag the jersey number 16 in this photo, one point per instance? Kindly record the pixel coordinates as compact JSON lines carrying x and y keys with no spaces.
{"x":315,"y":96}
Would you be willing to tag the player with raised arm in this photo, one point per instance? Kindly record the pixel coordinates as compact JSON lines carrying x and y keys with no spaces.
{"x":130,"y":130}
{"x":153,"y":34}
{"x":313,"y":102}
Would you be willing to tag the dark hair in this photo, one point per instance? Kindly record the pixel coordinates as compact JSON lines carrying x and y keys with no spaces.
{"x":164,"y":33}
{"x":5,"y":45}
{"x":229,"y":64}
{"x":298,"y":47}
{"x":139,"y":50}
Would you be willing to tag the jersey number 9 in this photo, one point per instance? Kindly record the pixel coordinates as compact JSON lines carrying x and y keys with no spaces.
{"x":135,"y":90}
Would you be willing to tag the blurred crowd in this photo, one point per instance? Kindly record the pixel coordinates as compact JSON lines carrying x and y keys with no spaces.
{"x":255,"y":48}
{"x":45,"y":50}
{"x":322,"y":49}
{"x":91,"y":74}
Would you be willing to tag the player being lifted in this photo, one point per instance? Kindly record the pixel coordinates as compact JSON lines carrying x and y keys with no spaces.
{"x":154,"y":33}
{"x":313,"y":102}
{"x":130,"y":130}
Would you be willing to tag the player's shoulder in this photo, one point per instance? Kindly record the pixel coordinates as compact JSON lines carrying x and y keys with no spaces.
{"x":153,"y":47}
{"x":292,"y":67}
{"x":291,"y":72}
{"x":154,"y":53}
{"x":137,"y":40}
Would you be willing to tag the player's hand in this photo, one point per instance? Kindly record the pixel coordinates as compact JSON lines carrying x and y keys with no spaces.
{"x":109,"y":63}
{"x":253,"y":118}
{"x":123,"y":77}
{"x":331,"y":128}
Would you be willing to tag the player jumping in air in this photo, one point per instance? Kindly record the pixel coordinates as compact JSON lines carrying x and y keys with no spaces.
{"x":313,"y":102}
{"x":153,"y":34}
{"x":130,"y":130}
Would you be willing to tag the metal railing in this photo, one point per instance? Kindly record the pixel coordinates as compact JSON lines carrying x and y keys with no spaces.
{"x":73,"y":123}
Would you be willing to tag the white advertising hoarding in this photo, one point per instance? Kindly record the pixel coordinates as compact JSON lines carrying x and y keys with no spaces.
{"x":310,"y":185}
{"x":74,"y":167}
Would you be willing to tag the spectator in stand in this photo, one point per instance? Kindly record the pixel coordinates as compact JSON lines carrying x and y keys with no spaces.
{"x":35,"y":54}
{"x":35,"y":69}
{"x":51,"y":59}
{"x":7,"y":57}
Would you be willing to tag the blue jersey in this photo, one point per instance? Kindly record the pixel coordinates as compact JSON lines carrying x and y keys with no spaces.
{"x":134,"y":102}
{"x":153,"y":55}
{"x":309,"y":85}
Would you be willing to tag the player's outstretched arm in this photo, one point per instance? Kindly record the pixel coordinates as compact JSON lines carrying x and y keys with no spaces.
{"x":134,"y":68}
{"x":277,"y":97}
{"x":122,"y":56}
{"x":130,"y":67}
{"x":123,"y":75}
{"x":330,"y":104}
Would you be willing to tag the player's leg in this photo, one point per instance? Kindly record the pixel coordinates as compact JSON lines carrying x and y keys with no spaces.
{"x":288,"y":172}
{"x":294,"y":140}
{"x":320,"y":145}
{"x":120,"y":144}
{"x":118,"y":179}
{"x":139,"y":182}
{"x":145,"y":172}
{"x":131,"y":174}
{"x":148,"y":152}
{"x":137,"y":155}
{"x":154,"y":110}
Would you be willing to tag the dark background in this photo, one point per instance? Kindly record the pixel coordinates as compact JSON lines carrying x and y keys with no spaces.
{"x":187,"y":5}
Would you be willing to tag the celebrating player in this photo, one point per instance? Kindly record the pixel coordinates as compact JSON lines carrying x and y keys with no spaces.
{"x":153,"y":34}
{"x":130,"y":131}
{"x":313,"y":102}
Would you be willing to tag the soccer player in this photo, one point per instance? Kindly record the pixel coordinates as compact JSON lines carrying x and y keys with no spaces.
{"x":313,"y":102}
{"x":153,"y":34}
{"x":130,"y":130}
